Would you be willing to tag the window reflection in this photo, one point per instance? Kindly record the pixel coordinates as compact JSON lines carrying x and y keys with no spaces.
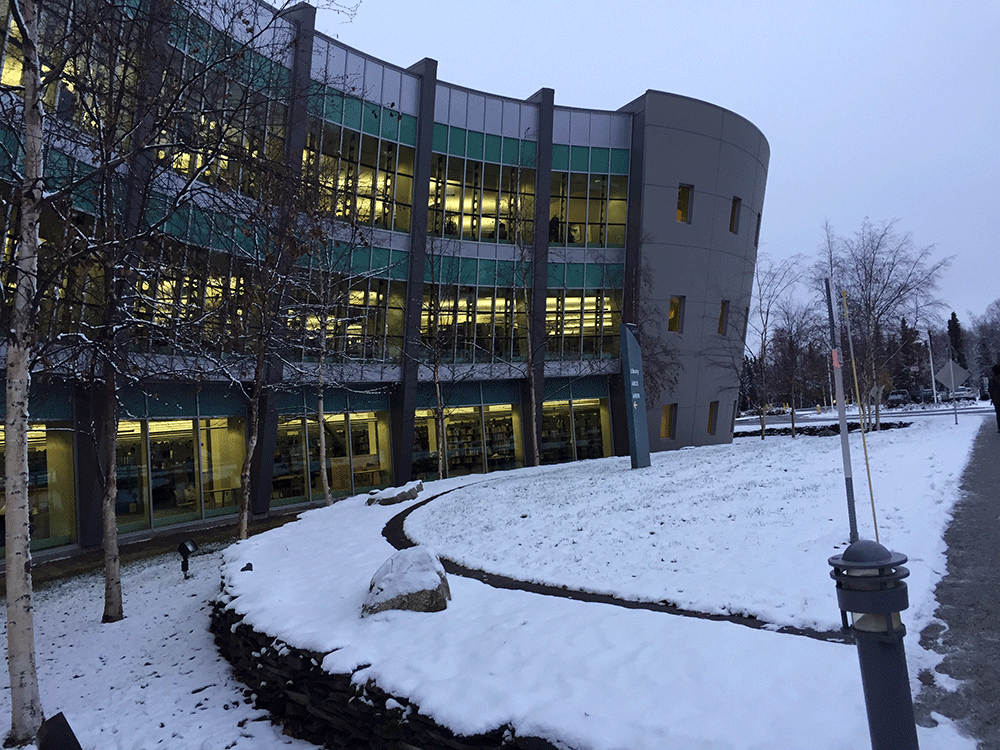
{"x":51,"y":493}
{"x":173,"y":472}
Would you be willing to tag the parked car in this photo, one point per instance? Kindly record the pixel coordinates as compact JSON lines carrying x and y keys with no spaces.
{"x":960,"y":394}
{"x":898,"y":398}
{"x":927,"y":395}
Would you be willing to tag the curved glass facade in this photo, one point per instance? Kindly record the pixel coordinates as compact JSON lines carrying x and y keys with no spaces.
{"x":440,"y":263}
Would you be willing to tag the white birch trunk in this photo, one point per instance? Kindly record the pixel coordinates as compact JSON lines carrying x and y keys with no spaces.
{"x":113,"y":607}
{"x":25,"y":702}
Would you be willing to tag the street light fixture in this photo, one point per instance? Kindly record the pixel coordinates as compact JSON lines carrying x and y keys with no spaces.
{"x":871,"y":590}
{"x":185,"y":549}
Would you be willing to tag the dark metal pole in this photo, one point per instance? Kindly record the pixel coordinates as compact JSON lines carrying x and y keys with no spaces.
{"x":845,"y":446}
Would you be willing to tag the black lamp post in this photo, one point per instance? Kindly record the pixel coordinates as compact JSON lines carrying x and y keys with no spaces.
{"x":185,"y":549}
{"x":871,"y":590}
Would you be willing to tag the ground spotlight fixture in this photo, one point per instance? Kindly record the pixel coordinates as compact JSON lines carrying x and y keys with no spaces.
{"x":185,"y":549}
{"x":872,"y":593}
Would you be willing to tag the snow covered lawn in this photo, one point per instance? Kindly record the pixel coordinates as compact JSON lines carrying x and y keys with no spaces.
{"x":745,"y":528}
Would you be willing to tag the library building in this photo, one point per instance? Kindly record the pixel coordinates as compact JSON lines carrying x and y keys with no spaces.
{"x":360,"y":269}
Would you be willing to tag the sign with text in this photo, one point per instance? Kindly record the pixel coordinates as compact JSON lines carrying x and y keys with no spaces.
{"x":635,"y":398}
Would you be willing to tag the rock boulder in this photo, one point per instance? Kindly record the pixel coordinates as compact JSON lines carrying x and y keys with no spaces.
{"x":412,"y":579}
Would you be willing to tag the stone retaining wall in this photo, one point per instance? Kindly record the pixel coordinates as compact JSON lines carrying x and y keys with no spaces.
{"x":329,"y":709}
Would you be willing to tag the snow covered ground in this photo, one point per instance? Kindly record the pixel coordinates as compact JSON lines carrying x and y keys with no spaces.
{"x":745,"y":528}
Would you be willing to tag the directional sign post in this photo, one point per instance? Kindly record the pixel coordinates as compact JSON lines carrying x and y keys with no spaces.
{"x":635,"y":398}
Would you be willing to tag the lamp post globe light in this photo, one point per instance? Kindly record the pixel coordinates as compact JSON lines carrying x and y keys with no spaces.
{"x":871,"y":590}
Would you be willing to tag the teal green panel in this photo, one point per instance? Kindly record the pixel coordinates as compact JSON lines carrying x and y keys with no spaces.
{"x":487,"y":272}
{"x":448,"y":267}
{"x":380,"y":260}
{"x":361,"y":258}
{"x":579,"y":159}
{"x":557,"y":389}
{"x":590,"y":386}
{"x":502,"y":392}
{"x":334,"y":400}
{"x":168,"y":400}
{"x":352,"y":113}
{"x":494,"y":148}
{"x":334,"y":106}
{"x":474,"y":145}
{"x":58,"y":169}
{"x":222,"y":232}
{"x":557,"y":273}
{"x":560,"y":157}
{"x":505,"y":273}
{"x":290,"y":403}
{"x":375,"y":400}
{"x":390,"y":124}
{"x":399,"y":262}
{"x":217,"y":400}
{"x":468,"y":271}
{"x":201,"y":227}
{"x":461,"y":394}
{"x":50,"y":402}
{"x":600,"y":159}
{"x":131,"y":403}
{"x":523,"y":273}
{"x":408,"y":130}
{"x":440,"y":144}
{"x":456,"y":141}
{"x":177,"y":222}
{"x":529,"y":154}
{"x":619,"y":161}
{"x":510,"y":151}
{"x":370,"y":124}
{"x":594,"y":276}
{"x":614,"y":276}
{"x":574,"y":275}
{"x":314,"y":104}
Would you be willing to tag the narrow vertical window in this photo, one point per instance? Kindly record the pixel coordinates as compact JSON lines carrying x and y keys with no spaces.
{"x":668,"y":422}
{"x":675,"y":322}
{"x":723,"y":317}
{"x":684,"y":195}
{"x":734,"y":216}
{"x":713,"y":417}
{"x":756,"y":234}
{"x":732,"y":422}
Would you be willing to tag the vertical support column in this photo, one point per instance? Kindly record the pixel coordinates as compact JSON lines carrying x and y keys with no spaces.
{"x":403,"y":398}
{"x":545,"y":99}
{"x":632,"y":282}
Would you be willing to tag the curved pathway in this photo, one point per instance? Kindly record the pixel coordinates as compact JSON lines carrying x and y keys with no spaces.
{"x":394,"y":534}
{"x":968,"y":635}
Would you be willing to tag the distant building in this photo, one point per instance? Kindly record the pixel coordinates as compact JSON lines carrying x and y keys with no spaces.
{"x":500,"y":234}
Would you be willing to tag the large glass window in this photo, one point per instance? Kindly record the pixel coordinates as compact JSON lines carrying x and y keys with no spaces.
{"x":338,"y":460}
{"x":173,"y":472}
{"x":426,"y":445}
{"x":675,"y":321}
{"x":557,"y":433}
{"x":288,"y":480}
{"x":464,"y":432}
{"x":51,"y":493}
{"x":132,"y":505}
{"x":685,"y":194}
{"x":371,"y":461}
{"x":502,"y":425}
{"x":223,"y":451}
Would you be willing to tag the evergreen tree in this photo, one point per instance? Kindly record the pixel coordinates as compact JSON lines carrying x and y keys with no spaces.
{"x":956,"y":338}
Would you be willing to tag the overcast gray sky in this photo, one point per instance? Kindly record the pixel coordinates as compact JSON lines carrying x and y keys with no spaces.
{"x":889,"y":110}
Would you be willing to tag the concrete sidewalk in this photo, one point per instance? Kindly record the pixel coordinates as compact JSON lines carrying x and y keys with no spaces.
{"x":969,"y":604}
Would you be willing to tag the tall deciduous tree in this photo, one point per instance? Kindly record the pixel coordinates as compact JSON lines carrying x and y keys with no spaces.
{"x":885,"y":276}
{"x":26,"y":704}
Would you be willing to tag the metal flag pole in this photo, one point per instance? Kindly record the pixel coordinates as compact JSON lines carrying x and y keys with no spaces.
{"x":845,"y":446}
